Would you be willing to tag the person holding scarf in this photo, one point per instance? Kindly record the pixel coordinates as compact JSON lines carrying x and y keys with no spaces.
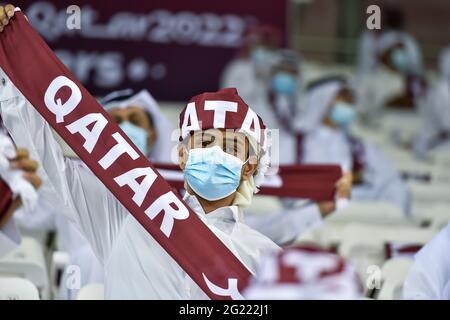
{"x":224,"y":160}
{"x":435,"y":130}
{"x":222,"y":170}
{"x":18,"y":184}
{"x":396,"y":80}
{"x":326,"y":122}
{"x":251,"y":69}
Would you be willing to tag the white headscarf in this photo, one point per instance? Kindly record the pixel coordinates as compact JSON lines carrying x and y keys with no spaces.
{"x":391,"y":38}
{"x":318,"y":101}
{"x":287,"y":57}
{"x":161,"y":151}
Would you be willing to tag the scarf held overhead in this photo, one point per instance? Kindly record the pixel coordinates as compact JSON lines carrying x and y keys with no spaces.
{"x":88,"y":129}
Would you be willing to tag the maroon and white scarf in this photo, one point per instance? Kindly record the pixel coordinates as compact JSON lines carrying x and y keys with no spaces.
{"x":88,"y":129}
{"x":5,"y":198}
{"x":84,"y":125}
{"x":309,"y":181}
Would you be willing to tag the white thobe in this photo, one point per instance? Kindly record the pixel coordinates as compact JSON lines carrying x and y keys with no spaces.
{"x":429,"y":277}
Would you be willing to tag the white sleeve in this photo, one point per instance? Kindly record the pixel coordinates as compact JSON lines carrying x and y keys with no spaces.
{"x":70,"y":187}
{"x":418,"y":286}
{"x":430,"y":274}
{"x":287,"y":225}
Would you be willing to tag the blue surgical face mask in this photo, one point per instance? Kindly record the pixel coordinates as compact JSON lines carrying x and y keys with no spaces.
{"x":137,"y":135}
{"x":212,"y":173}
{"x":343,"y":114}
{"x":284,"y":83}
{"x":400,"y":60}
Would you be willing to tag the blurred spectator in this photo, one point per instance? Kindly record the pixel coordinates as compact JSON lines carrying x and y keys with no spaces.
{"x":328,"y":139}
{"x":278,"y":100}
{"x":140,"y":117}
{"x":390,"y":69}
{"x":280,"y":104}
{"x":249,"y":72}
{"x":435,"y":132}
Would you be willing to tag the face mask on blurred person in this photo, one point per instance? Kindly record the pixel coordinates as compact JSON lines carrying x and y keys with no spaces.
{"x":260,"y":55}
{"x":137,"y":135}
{"x":343,"y":114}
{"x":212,"y":173}
{"x":400,"y":60}
{"x":284,"y":83}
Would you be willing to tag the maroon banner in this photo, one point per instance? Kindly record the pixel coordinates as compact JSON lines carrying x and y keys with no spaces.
{"x":88,"y":129}
{"x":314,"y":182}
{"x":5,"y":198}
{"x":175,"y":48}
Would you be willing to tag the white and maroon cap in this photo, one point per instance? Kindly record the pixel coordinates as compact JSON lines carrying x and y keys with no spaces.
{"x":223,"y":109}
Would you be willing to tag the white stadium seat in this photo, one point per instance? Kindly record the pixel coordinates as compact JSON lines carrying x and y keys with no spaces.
{"x":430,"y":193}
{"x":364,"y":245}
{"x":371,"y":213}
{"x":394,"y":272}
{"x":17,"y":289}
{"x":60,"y":260}
{"x":27,"y":261}
{"x":434,"y":216}
{"x":440,"y":175}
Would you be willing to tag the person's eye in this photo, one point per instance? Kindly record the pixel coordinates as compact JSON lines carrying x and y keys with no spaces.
{"x":207,"y":140}
{"x":134,"y":119}
{"x":117,"y":119}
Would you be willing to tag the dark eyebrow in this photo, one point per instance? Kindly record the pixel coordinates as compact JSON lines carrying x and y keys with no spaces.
{"x":134,"y":115}
{"x":208,"y":135}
